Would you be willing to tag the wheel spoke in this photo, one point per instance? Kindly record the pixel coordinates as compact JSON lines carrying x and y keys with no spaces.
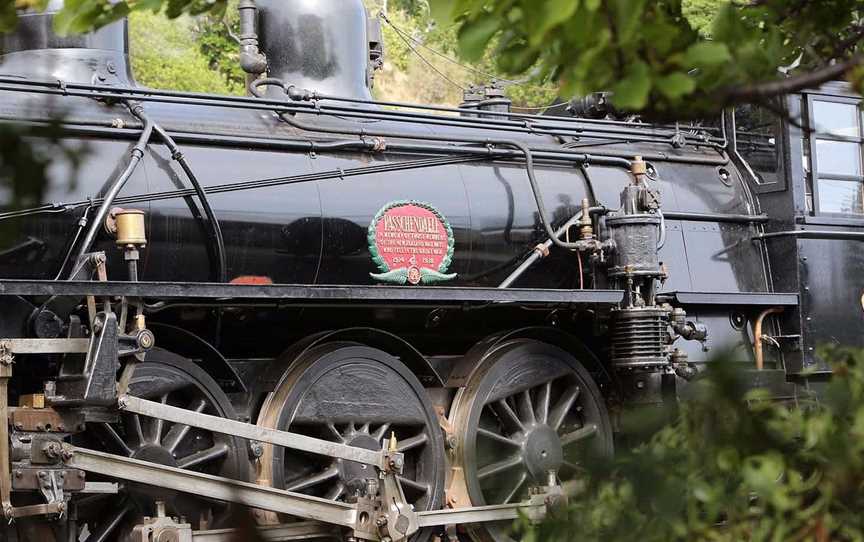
{"x":506,"y":415}
{"x":158,"y":424}
{"x":586,"y":431}
{"x":492,"y":435}
{"x":336,"y":492}
{"x":411,"y":485}
{"x":204,"y":456}
{"x":526,"y":409}
{"x":379,"y":434}
{"x":364,"y":428}
{"x":565,"y":403}
{"x":403,"y":446}
{"x":314,"y":480}
{"x":515,"y":490}
{"x":543,"y":397}
{"x":179,"y":431}
{"x":116,"y":438}
{"x":335,"y":432}
{"x":500,"y":466}
{"x":136,"y":428}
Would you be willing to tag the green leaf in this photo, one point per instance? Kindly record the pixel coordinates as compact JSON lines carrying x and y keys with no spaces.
{"x":554,"y":13}
{"x":675,"y":85}
{"x":631,"y":93}
{"x":592,"y":5}
{"x":442,"y":10}
{"x":707,"y":53}
{"x":475,"y":34}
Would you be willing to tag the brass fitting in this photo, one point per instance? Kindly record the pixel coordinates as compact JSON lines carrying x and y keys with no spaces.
{"x":638,"y":167}
{"x":129,"y":224}
{"x":586,"y":228}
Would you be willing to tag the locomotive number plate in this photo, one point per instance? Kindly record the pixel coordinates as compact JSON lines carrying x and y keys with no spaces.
{"x":411,"y":243}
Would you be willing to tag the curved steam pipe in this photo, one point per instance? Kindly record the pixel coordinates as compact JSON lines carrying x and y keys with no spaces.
{"x":215,"y":228}
{"x":137,"y":153}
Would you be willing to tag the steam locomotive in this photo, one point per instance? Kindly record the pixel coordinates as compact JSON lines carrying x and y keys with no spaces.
{"x":315,"y":315}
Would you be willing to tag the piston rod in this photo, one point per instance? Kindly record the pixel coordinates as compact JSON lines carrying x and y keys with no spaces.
{"x":208,"y":485}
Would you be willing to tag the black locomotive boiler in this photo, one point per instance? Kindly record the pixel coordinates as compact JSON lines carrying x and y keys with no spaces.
{"x":376,"y":321}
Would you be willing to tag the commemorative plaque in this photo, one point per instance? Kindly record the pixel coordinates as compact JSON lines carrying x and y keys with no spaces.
{"x":411,"y":243}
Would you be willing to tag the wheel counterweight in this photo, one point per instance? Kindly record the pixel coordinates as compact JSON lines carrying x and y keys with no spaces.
{"x":360,"y":396}
{"x":528,"y":408}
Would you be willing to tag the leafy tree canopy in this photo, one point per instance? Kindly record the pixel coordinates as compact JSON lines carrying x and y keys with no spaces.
{"x":650,"y":54}
{"x":662,"y":57}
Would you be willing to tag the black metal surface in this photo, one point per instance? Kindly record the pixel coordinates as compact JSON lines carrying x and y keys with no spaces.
{"x":302,"y":294}
{"x":315,"y":44}
{"x":90,"y":380}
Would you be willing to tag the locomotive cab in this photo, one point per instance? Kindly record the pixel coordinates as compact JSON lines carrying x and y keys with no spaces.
{"x":806,"y":172}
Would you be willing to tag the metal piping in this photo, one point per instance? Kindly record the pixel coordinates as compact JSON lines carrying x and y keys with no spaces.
{"x":121,"y":93}
{"x":137,"y":153}
{"x":811,"y":234}
{"x":716,"y":217}
{"x":757,"y":335}
{"x":542,"y":250}
{"x":215,"y":228}
{"x":229,"y":140}
{"x":252,"y":61}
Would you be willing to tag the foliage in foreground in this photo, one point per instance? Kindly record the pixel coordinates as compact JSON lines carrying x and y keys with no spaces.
{"x":730,"y":470}
{"x":650,"y":55}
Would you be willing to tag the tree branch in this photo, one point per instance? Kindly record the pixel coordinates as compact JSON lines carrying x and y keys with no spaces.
{"x":760,"y":91}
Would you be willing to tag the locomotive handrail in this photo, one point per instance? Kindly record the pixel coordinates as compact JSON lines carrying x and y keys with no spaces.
{"x":123,"y":93}
{"x":811,"y":234}
{"x":145,"y":93}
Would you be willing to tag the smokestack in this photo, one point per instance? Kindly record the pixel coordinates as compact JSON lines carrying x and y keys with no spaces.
{"x":319,"y":45}
{"x":34,"y":50}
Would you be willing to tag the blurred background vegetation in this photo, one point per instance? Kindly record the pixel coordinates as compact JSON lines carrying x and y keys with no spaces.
{"x":199,"y":54}
{"x":733,"y":465}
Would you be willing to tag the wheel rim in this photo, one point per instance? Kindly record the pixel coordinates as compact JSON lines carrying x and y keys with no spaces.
{"x":527,"y":409}
{"x":358,"y":396}
{"x":177,"y":382}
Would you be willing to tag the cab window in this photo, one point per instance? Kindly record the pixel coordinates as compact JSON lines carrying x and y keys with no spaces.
{"x":836,"y":156}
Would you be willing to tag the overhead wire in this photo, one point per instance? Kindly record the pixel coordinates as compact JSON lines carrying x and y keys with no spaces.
{"x":406,"y":35}
{"x":428,"y":63}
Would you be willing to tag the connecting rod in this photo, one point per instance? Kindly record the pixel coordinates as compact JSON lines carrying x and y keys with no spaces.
{"x":382,"y":459}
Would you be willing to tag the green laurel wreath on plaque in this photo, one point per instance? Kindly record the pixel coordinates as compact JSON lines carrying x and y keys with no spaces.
{"x":400,"y":275}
